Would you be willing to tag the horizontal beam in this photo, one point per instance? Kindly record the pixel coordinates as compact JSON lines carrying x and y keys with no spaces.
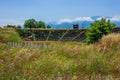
{"x":53,"y":29}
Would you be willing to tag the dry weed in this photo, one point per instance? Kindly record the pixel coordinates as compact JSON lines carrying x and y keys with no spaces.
{"x":109,"y":41}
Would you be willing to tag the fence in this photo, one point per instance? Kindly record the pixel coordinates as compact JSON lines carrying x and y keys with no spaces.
{"x":29,"y":44}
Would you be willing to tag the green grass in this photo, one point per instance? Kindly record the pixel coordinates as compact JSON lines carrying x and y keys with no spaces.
{"x":64,"y":60}
{"x":9,"y":35}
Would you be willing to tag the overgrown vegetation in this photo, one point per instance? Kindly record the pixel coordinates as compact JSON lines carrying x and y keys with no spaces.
{"x":63,"y":61}
{"x":9,"y":34}
{"x":98,"y":29}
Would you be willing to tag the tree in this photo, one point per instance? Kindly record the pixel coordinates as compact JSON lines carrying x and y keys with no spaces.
{"x":40,"y":24}
{"x":98,"y":29}
{"x":10,"y":26}
{"x":19,"y":30}
{"x":18,"y":27}
{"x":30,"y":23}
{"x":48,"y":26}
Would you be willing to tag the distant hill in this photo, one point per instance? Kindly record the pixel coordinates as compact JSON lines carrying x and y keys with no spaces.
{"x":82,"y":24}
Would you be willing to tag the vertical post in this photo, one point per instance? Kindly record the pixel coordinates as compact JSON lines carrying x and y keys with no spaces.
{"x":48,"y":35}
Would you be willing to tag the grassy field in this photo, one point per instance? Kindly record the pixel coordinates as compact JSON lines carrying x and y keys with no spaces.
{"x":63,"y":61}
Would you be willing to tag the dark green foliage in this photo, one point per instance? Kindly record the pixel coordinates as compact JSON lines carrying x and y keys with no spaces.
{"x":32,"y":23}
{"x":98,"y":29}
{"x":40,"y":24}
{"x":10,"y":26}
{"x":48,"y":26}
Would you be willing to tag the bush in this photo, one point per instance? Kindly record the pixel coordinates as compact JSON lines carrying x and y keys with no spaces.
{"x":98,"y":29}
{"x":9,"y":35}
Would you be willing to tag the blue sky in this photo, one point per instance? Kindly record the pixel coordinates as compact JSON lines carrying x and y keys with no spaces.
{"x":17,"y":11}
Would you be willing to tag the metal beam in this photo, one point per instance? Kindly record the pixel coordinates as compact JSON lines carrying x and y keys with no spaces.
{"x":48,"y":35}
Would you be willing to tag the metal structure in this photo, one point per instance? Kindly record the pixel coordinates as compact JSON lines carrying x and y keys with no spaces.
{"x":60,"y":34}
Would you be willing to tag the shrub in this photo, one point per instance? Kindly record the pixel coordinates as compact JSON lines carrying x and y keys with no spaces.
{"x":9,"y":35}
{"x":98,"y":29}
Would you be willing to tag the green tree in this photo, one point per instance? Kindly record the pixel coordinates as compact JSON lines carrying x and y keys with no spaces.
{"x":18,"y":27}
{"x":40,"y":24}
{"x":19,"y":30}
{"x":48,"y":26}
{"x":30,"y":23}
{"x":98,"y":29}
{"x":10,"y":26}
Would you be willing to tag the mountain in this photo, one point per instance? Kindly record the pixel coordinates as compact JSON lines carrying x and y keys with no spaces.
{"x":83,"y":22}
{"x":116,"y":23}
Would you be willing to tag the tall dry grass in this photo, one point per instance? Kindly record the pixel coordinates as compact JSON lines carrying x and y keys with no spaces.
{"x":63,"y":61}
{"x":109,"y":41}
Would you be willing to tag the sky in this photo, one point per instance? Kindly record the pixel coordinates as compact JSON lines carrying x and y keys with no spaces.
{"x":17,"y":11}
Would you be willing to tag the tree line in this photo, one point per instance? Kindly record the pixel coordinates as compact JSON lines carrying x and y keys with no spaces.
{"x":30,"y":23}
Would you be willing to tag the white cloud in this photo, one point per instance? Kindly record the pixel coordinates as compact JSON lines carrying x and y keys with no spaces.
{"x":115,"y":18}
{"x":83,"y":19}
{"x":100,"y":18}
{"x":64,"y":20}
{"x":75,"y":19}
